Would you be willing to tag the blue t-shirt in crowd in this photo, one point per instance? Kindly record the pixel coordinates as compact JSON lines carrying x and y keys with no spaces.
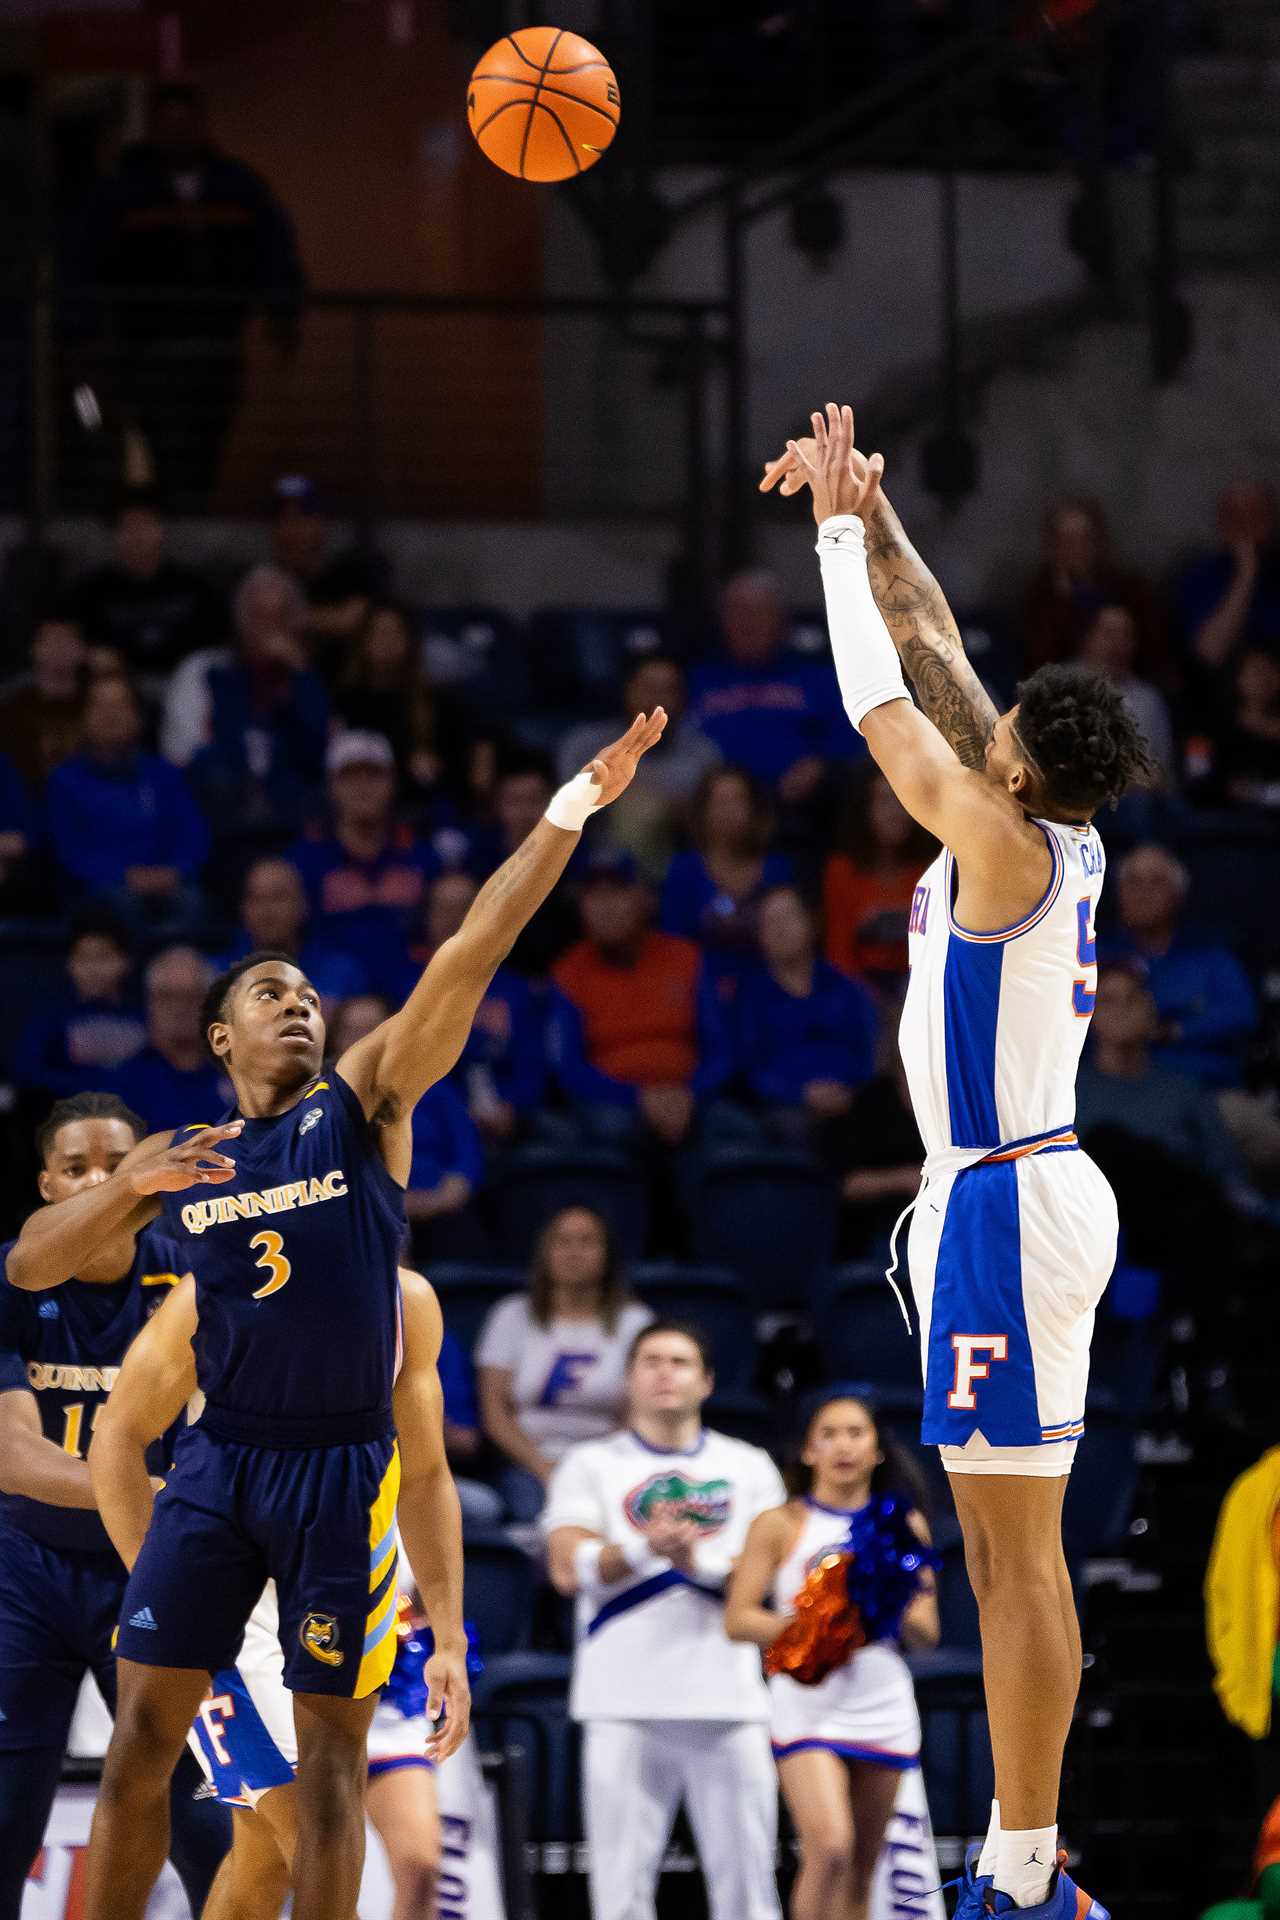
{"x":785,"y":1042}
{"x":102,"y":820}
{"x":766,"y":718}
{"x":694,"y":907}
{"x":16,"y":814}
{"x":69,"y":1045}
{"x":457,"y":1383}
{"x":1201,"y":986}
{"x":168,"y":1096}
{"x":507,"y":1039}
{"x":445,"y":1140}
{"x":368,"y":907}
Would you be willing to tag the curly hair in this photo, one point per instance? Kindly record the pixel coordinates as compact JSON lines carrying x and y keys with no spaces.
{"x":1084,"y":741}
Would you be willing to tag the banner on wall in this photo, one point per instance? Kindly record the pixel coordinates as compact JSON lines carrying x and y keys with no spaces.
{"x":470,"y":1886}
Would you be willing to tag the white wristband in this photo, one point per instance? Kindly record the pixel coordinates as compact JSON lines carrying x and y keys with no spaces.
{"x":638,"y":1554}
{"x":576,"y":801}
{"x":586,"y":1564}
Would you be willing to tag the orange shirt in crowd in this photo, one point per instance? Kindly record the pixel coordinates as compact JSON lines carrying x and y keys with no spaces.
{"x":865,"y":912}
{"x":640,"y":1022}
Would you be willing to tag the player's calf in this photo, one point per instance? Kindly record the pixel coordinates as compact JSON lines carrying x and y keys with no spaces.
{"x":130,"y":1836}
{"x":333,"y":1769}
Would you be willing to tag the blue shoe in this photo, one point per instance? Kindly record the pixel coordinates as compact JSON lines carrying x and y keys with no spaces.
{"x":970,"y":1905}
{"x":1065,"y":1900}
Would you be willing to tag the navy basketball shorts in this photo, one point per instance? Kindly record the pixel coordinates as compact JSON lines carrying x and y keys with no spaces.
{"x":319,"y":1521}
{"x":58,"y":1611}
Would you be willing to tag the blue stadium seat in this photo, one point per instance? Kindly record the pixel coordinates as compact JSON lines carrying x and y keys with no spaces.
{"x":859,"y":1328}
{"x":712,"y":1297}
{"x":521,"y":1700}
{"x":476,"y":652}
{"x":956,"y":1749}
{"x":582,"y":655}
{"x":1123,"y":1364}
{"x":498,"y":1590}
{"x":1104,"y":1480}
{"x":770,"y":1216}
{"x":31,"y":961}
{"x":538,"y":1181}
{"x":957,"y":1608}
{"x":467,"y":1292}
{"x":743,"y":1416}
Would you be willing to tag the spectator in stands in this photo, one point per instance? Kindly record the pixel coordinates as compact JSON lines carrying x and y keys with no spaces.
{"x":644,"y":1528}
{"x":122,"y":822}
{"x":383,"y":689}
{"x":17,"y":837}
{"x":637,"y":1033}
{"x":1110,"y":647}
{"x":1244,"y":769}
{"x":1076,"y":576}
{"x":40,"y":710}
{"x":252,"y":724}
{"x":339,"y":588}
{"x":481,"y":1505}
{"x":651,"y":813}
{"x":190,"y":241}
{"x":767,"y":710}
{"x":805,"y":1033}
{"x":273,"y":918}
{"x":1206,"y":1004}
{"x":173,"y":1082}
{"x":150,"y":611}
{"x":503,"y":1070}
{"x":883,"y":1158}
{"x":551,"y":1362}
{"x":522,"y":788}
{"x":713,"y":888}
{"x":1120,"y":1085}
{"x":868,"y":882}
{"x":1230,"y":598}
{"x":73,"y":1041}
{"x":366,"y":878}
{"x":447,"y":1165}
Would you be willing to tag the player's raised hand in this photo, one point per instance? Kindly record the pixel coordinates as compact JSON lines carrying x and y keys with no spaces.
{"x":614,"y":768}
{"x":448,"y":1694}
{"x":195,"y":1163}
{"x":789,"y":471}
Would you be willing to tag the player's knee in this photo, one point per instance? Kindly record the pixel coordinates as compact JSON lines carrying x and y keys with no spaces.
{"x":144,"y":1746}
{"x":331,"y":1786}
{"x":415,"y":1874}
{"x":1014,"y":1564}
{"x":828,"y":1853}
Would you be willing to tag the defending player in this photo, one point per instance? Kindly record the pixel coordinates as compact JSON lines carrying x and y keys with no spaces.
{"x":292,"y":1473}
{"x":842,"y":1744}
{"x":1014,"y":1233}
{"x":245,"y":1727}
{"x":60,"y":1581}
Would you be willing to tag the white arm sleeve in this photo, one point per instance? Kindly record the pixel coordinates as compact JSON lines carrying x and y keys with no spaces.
{"x":867,"y":664}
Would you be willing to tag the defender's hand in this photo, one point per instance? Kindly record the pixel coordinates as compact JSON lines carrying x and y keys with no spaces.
{"x":614,"y":768}
{"x":448,"y":1693}
{"x":789,"y":471}
{"x":193,"y":1164}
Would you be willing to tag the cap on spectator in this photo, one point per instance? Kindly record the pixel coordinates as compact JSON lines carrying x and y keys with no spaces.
{"x":357,"y":749}
{"x":609,"y":866}
{"x":295,"y":490}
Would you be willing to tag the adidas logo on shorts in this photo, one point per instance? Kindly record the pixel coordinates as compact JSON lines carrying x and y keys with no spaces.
{"x":144,"y":1618}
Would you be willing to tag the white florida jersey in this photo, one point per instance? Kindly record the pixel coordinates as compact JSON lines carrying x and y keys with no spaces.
{"x":993,"y":1023}
{"x":654,"y":1647}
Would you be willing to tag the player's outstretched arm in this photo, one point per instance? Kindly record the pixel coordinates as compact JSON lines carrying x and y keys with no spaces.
{"x":56,"y":1241}
{"x":430,"y":1517}
{"x":153,"y":1386}
{"x":392,"y":1067}
{"x":34,"y":1467}
{"x":745,"y":1615}
{"x":913,"y":608}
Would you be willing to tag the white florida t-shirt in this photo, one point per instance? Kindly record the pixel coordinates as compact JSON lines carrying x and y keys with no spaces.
{"x":567,"y":1378}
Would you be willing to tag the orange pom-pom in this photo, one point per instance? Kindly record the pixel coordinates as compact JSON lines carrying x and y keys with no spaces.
{"x":825,"y":1629}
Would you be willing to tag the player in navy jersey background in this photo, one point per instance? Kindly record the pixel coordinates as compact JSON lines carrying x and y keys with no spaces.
{"x":293,"y":1235}
{"x":61,"y":1582}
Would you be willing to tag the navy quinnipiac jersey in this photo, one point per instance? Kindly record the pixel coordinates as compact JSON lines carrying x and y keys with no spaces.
{"x":295,"y":1266}
{"x":66,"y":1346}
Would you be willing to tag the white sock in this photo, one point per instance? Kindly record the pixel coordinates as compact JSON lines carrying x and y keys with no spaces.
{"x":1025,"y":1859}
{"x":987,"y":1858}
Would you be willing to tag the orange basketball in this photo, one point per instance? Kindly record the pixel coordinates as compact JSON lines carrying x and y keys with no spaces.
{"x":543,"y":104}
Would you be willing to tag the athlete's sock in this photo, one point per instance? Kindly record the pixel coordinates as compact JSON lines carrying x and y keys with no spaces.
{"x":199,"y":1830}
{"x":987,"y":1858}
{"x":28,"y":1783}
{"x":1025,"y":1859}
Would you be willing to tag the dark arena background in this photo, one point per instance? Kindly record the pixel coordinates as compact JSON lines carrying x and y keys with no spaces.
{"x":315,"y":426}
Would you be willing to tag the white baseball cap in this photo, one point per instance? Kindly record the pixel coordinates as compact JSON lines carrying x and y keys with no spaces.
{"x":357,"y":749}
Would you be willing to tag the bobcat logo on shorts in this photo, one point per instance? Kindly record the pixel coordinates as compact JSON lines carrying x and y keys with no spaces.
{"x":319,"y":1635}
{"x":310,"y":1120}
{"x":707,"y":1503}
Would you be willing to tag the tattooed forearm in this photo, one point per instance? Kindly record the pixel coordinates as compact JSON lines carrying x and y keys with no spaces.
{"x":923,"y":629}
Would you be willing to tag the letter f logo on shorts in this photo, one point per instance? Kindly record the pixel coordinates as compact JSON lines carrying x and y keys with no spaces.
{"x":970,"y":1369}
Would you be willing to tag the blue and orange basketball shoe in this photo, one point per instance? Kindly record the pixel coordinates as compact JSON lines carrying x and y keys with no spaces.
{"x":1064,"y":1900}
{"x":973,"y":1888}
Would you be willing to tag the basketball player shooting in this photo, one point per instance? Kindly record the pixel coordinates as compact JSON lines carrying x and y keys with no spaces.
{"x":1013,"y":1237}
{"x":293,"y":1472}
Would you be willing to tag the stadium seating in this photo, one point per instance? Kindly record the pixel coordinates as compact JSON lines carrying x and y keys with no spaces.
{"x":859,"y":1328}
{"x":711,"y":1296}
{"x":768,"y":1216}
{"x":1104,"y":1480}
{"x":582,"y":655}
{"x":538,"y":1181}
{"x":468,"y":1292}
{"x":521,"y":1701}
{"x":498,"y":1593}
{"x":955,"y":1749}
{"x":743,"y":1416}
{"x":477,"y":653}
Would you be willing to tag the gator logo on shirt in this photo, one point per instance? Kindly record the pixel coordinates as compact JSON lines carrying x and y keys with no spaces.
{"x":707,"y":1503}
{"x":319,"y":1635}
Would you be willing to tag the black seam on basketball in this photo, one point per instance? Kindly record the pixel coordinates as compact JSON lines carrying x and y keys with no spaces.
{"x":561,"y":93}
{"x":520,"y":53}
{"x":505,"y":79}
{"x":564,"y":133}
{"x":524,"y":145}
{"x":583,"y":66}
{"x":504,"y":108}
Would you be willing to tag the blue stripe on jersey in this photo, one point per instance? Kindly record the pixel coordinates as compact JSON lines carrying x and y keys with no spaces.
{"x":970,"y":1012}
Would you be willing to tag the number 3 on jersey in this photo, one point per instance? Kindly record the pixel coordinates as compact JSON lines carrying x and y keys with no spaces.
{"x":1083,"y":1000}
{"x":273,"y":1260}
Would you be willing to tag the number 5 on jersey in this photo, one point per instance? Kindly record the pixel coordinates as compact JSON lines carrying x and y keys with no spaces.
{"x":1084,"y":999}
{"x":272,"y":1260}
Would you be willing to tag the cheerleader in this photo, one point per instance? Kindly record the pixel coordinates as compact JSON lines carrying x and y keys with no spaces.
{"x":842,"y":1742}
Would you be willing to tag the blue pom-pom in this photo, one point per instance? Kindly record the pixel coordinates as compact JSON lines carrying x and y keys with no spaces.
{"x":406,"y":1689}
{"x":885,"y":1571}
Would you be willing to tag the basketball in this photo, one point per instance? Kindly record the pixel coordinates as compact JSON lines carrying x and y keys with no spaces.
{"x":543,"y":104}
